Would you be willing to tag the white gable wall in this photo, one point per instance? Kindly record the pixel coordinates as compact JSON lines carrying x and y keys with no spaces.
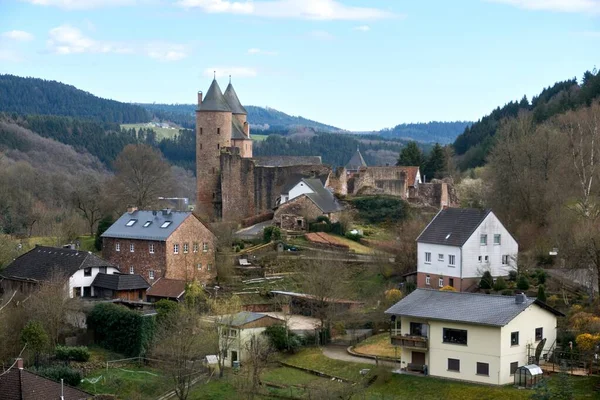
{"x":298,"y":190}
{"x":437,"y":267}
{"x":472,"y":249}
{"x":78,"y":279}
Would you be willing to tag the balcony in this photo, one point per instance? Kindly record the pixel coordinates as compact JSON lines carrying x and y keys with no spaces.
{"x":411,"y":341}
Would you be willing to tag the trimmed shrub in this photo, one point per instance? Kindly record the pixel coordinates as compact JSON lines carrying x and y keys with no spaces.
{"x":271,"y":233}
{"x":500,"y":284}
{"x":66,"y":353}
{"x":377,"y":209}
{"x":541,"y":276}
{"x":541,"y":294}
{"x":486,"y":281}
{"x":353,"y":236}
{"x":120,"y":329}
{"x":70,"y":376}
{"x":512,"y":275}
{"x":523,"y":283}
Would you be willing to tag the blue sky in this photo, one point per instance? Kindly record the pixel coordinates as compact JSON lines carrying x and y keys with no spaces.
{"x":354,"y":64}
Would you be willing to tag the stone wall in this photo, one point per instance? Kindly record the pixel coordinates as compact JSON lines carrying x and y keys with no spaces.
{"x":338,"y":181}
{"x":437,"y":193}
{"x":300,"y":208}
{"x":140,"y":259}
{"x":379,"y":180}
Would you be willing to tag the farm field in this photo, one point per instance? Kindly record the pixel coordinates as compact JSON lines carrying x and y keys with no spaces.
{"x":160,"y":132}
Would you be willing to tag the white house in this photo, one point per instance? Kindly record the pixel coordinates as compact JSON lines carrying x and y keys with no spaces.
{"x":237,"y":331}
{"x":44,"y":263}
{"x":468,"y":336}
{"x":459,"y":245}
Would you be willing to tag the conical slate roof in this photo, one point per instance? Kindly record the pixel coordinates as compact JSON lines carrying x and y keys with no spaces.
{"x":214,"y":99}
{"x":356,"y":162}
{"x":233,"y":101}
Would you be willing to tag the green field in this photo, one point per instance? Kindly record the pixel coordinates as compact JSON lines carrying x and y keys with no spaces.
{"x":259,"y":138}
{"x":160,"y":132}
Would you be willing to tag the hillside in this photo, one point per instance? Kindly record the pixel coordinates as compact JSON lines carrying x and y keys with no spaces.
{"x":475,"y":143}
{"x":39,"y":96}
{"x":428,"y":132}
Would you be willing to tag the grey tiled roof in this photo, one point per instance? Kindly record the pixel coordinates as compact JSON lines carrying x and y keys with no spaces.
{"x":322,"y":197}
{"x":473,"y":308}
{"x":120,"y":281}
{"x":453,"y":226}
{"x":20,"y":384}
{"x":237,"y":130}
{"x":356,"y":162}
{"x":242,"y":318}
{"x":214,"y":99}
{"x":233,"y":101}
{"x":286,"y":161}
{"x":154,"y":231}
{"x":294,"y":179}
{"x":41,"y":262}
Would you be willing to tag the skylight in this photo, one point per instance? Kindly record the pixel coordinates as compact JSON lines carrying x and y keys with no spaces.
{"x":166,"y":224}
{"x":131,"y":222}
{"x":448,"y":235}
{"x":147,"y":224}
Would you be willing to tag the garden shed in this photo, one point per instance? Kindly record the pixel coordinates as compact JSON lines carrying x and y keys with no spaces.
{"x":528,"y":376}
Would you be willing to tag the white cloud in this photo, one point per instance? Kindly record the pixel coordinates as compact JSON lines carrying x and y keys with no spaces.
{"x":363,"y":28}
{"x":571,"y":6}
{"x":255,"y":50}
{"x":237,"y":72}
{"x":19,"y":36}
{"x":83,"y":4}
{"x":321,"y":35}
{"x":67,"y":39}
{"x":298,"y":9}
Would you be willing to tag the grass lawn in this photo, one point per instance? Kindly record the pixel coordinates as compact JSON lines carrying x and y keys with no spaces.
{"x":377,"y":345}
{"x":354,"y":246}
{"x":160,"y":132}
{"x":314,"y":359}
{"x":87,"y":243}
{"x":258,"y":138}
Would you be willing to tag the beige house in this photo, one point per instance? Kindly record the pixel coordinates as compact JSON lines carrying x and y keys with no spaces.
{"x":472,"y":337}
{"x":237,"y":331}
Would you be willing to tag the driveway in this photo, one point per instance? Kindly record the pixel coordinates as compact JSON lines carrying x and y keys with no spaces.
{"x":339,"y":353}
{"x":253,"y":231}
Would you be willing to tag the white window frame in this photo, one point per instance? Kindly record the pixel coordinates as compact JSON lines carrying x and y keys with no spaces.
{"x":166,"y":224}
{"x":427,"y":257}
{"x":204,"y":247}
{"x":505,"y":259}
{"x":480,"y":258}
{"x":499,"y":237}
{"x":132,"y":248}
{"x":175,"y":248}
{"x":131,"y":270}
{"x":199,"y":266}
{"x":117,"y":246}
{"x":196,"y":247}
{"x":451,"y":260}
{"x":441,"y":282}
{"x":486,"y":258}
{"x":186,"y":248}
{"x":151,"y":248}
{"x":440,"y":257}
{"x":151,"y":274}
{"x":428,"y":280}
{"x":208,"y":267}
{"x":483,"y":239}
{"x":131,"y":223}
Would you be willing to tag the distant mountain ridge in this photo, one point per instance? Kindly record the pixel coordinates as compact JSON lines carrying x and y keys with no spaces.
{"x":427,"y":132}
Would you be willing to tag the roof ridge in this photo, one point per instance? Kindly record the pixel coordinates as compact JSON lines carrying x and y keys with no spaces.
{"x":471,"y":293}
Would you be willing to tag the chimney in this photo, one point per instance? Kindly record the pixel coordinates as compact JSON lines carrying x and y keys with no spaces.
{"x":19,"y":363}
{"x":520,"y":298}
{"x":199,"y":99}
{"x":247,"y":129}
{"x":131,"y":210}
{"x":166,"y":211}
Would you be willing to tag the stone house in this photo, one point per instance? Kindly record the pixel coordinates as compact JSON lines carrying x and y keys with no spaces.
{"x":43,"y":264}
{"x":471,"y":337}
{"x":459,"y":245}
{"x":165,"y":243}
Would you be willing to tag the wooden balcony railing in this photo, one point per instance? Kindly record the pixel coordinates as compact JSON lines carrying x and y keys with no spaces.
{"x":416,"y":342}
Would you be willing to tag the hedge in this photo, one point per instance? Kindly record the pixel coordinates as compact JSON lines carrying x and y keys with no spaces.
{"x":71,"y":376}
{"x":72,"y":353}
{"x":120,"y":329}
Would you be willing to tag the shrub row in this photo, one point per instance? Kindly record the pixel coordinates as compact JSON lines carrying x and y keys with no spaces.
{"x":67,"y":353}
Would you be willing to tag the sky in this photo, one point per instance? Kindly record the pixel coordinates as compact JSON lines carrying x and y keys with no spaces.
{"x":355,"y":64}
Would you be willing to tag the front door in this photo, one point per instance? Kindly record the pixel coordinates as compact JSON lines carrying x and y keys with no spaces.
{"x":418,"y":357}
{"x":451,"y":283}
{"x":234,"y":356}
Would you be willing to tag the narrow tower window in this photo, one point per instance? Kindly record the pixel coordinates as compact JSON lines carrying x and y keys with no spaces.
{"x":218,"y":146}
{"x":218,"y":131}
{"x":201,"y":131}
{"x":200,"y":146}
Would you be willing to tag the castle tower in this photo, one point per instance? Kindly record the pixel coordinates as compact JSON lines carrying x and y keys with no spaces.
{"x":241,"y":128}
{"x":213,"y":133}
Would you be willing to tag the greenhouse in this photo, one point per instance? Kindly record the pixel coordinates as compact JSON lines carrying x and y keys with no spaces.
{"x":528,"y":376}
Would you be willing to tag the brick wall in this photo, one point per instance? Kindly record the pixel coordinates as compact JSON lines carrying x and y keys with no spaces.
{"x":140,"y":259}
{"x":459,"y":284}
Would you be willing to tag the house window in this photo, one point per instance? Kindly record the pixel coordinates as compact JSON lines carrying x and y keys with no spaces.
{"x":483,"y":240}
{"x":165,"y":224}
{"x":440,"y":257}
{"x":218,"y":146}
{"x":102,"y":270}
{"x":131,"y":222}
{"x":505,"y":260}
{"x":131,"y":248}
{"x":186,"y":248}
{"x":513,"y":367}
{"x":539,"y":334}
{"x":200,"y":146}
{"x":514,"y":338}
{"x":427,"y":280}
{"x":199,"y":266}
{"x":441,"y":282}
{"x":131,"y":270}
{"x":483,"y":369}
{"x":208,"y":267}
{"x":233,"y":332}
{"x":151,"y":274}
{"x":118,"y":247}
{"x":416,"y":329}
{"x":204,"y":247}
{"x":454,"y":336}
{"x":224,"y":332}
{"x":479,"y":258}
{"x":195,"y":247}
{"x":486,"y":258}
{"x":497,"y":239}
{"x":451,"y":260}
{"x":453,"y":364}
{"x":427,"y":258}
{"x":176,"y":248}
{"x":87,"y":272}
{"x":151,"y":248}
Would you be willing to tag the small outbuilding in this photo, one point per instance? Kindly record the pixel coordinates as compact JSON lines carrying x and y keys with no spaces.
{"x":528,"y":376}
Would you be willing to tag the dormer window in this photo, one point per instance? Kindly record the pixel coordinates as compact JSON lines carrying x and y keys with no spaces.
{"x":165,"y":224}
{"x":147,"y":224}
{"x":131,"y":222}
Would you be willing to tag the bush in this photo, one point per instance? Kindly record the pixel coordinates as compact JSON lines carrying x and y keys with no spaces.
{"x":512,"y":276}
{"x":541,"y":276}
{"x":35,"y":337}
{"x":410,"y":287}
{"x":448,"y":288}
{"x":500,"y":284}
{"x":541,"y":294}
{"x":507,"y":292}
{"x":486,"y":281}
{"x":523,"y":283}
{"x":326,"y":226}
{"x":120,"y":329}
{"x":70,"y":376}
{"x":279,"y":340}
{"x":271,"y":233}
{"x":378,"y":209}
{"x":353,"y":236}
{"x":67,"y":353}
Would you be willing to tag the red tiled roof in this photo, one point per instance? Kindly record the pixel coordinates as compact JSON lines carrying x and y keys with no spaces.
{"x":411,"y":174}
{"x":20,"y":384}
{"x":169,"y":288}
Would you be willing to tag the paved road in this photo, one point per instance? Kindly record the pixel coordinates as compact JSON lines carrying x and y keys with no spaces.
{"x":339,"y":353}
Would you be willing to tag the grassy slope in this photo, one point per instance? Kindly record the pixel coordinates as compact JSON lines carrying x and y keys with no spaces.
{"x":377,"y":345}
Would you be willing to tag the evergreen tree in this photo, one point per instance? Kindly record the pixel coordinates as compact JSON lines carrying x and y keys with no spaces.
{"x":541,"y":294}
{"x":486,"y":281}
{"x":103,"y":225}
{"x":411,"y":155}
{"x":436,"y":163}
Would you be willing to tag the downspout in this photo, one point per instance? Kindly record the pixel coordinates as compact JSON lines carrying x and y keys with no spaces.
{"x":461,"y":267}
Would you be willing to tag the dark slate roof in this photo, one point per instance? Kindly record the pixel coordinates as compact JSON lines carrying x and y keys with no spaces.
{"x":168,"y":288}
{"x":294,"y":179}
{"x":453,"y":226}
{"x":356,"y":162}
{"x":153,"y":231}
{"x":473,"y":308}
{"x":39,"y":263}
{"x":233,"y":101}
{"x":214,"y":99}
{"x":237,"y":130}
{"x":286,"y":161}
{"x":20,"y":384}
{"x":120,"y":281}
{"x":322,"y":197}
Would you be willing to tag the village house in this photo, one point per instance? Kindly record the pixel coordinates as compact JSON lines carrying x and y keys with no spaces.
{"x":237,"y":331}
{"x":165,"y":243}
{"x":120,"y":286}
{"x":468,"y":336}
{"x":459,"y":245}
{"x":44,"y":264}
{"x":302,"y":201}
{"x":163,"y":288}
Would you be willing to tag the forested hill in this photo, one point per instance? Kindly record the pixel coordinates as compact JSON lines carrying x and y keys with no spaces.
{"x":39,"y":96}
{"x":427,"y":132}
{"x":260,"y":118}
{"x":475,"y":143}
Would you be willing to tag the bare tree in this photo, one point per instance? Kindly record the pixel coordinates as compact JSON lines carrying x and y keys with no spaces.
{"x":224,"y":311}
{"x":259,"y":353}
{"x":88,"y":199}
